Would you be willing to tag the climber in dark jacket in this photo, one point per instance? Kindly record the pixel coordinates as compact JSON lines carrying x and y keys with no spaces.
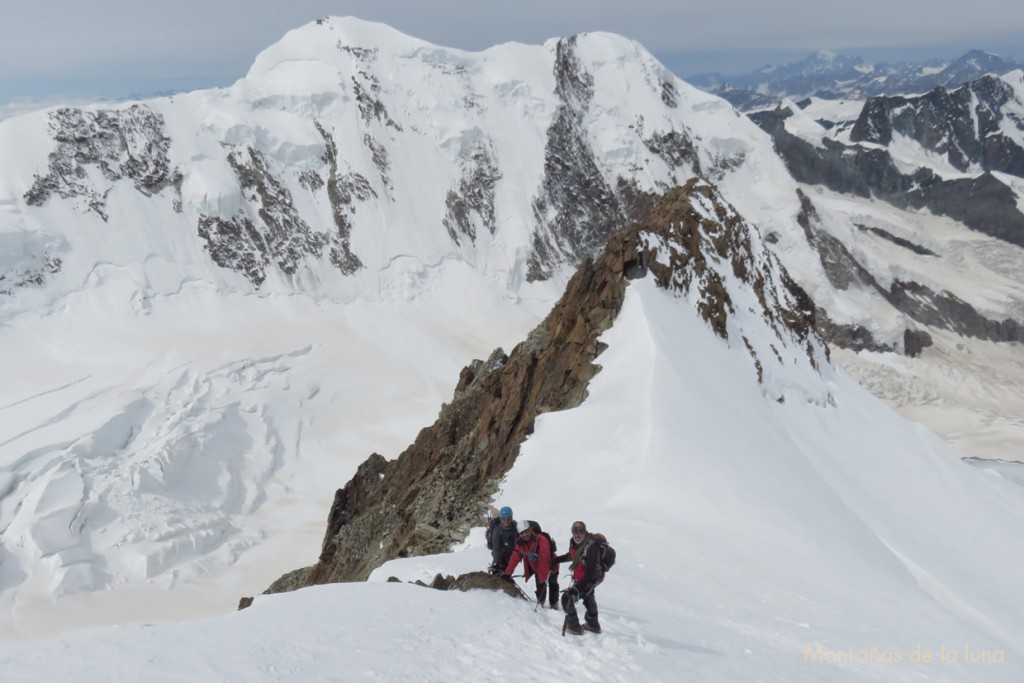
{"x":584,"y":560}
{"x":503,"y":539}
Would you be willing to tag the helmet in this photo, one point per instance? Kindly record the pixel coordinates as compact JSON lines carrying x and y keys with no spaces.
{"x":524,"y":526}
{"x":505,"y":512}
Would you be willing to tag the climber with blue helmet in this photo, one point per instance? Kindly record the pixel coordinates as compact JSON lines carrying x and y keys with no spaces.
{"x":501,"y":539}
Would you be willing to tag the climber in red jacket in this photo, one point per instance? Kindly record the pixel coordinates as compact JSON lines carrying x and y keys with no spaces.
{"x":585,"y":565}
{"x":535,"y":551}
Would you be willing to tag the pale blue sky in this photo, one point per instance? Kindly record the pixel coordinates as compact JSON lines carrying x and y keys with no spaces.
{"x":110,"y":48}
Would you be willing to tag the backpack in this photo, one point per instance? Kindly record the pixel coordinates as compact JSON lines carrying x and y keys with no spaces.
{"x":537,"y":530}
{"x":489,"y":532}
{"x":607,"y":553}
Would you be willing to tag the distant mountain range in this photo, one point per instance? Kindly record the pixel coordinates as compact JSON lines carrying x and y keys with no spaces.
{"x":831,"y":76}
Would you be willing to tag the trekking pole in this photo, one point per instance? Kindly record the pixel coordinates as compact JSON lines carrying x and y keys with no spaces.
{"x":521,"y":591}
{"x":565,"y":622}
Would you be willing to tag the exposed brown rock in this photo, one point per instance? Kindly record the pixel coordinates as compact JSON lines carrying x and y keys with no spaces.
{"x":477,"y":581}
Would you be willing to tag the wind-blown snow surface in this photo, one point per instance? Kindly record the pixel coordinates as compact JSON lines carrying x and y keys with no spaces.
{"x":821,"y":538}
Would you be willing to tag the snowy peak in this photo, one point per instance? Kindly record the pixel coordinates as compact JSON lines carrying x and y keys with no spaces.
{"x":336,"y":41}
{"x":349,"y":143}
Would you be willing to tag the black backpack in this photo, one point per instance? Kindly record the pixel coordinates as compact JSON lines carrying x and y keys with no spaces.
{"x":489,"y":532}
{"x":537,"y":530}
{"x":607,"y":553}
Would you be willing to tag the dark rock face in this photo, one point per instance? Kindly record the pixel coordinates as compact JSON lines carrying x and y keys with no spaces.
{"x":375,"y":117}
{"x":854,"y":337}
{"x":471,"y":202}
{"x":343,"y":190}
{"x":437,"y":489}
{"x":32,"y":275}
{"x":123,"y":144}
{"x":276,"y":234}
{"x":946,"y":311}
{"x":841,"y":268}
{"x":577,"y":208}
{"x":906,"y":244}
{"x":859,"y":170}
{"x":983,"y":203}
{"x":963,"y":125}
{"x":916,"y":341}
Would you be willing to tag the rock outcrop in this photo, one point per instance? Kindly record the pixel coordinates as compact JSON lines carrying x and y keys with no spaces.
{"x":119,"y":144}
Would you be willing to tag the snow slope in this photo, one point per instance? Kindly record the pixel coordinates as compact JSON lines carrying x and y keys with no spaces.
{"x":807,"y":540}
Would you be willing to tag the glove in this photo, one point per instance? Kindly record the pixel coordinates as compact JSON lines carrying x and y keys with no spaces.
{"x":506,"y":577}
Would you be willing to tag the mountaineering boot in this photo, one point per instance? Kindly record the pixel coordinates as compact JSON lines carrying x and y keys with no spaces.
{"x":574,"y":629}
{"x":592,"y":629}
{"x":590,"y":623}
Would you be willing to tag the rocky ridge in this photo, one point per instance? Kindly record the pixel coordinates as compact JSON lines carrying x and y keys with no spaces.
{"x":693,"y":244}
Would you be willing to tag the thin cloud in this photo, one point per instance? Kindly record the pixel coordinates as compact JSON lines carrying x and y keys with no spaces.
{"x":127,"y":39}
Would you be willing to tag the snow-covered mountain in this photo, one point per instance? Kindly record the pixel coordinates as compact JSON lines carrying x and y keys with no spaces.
{"x":218,"y":304}
{"x":829,"y":75}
